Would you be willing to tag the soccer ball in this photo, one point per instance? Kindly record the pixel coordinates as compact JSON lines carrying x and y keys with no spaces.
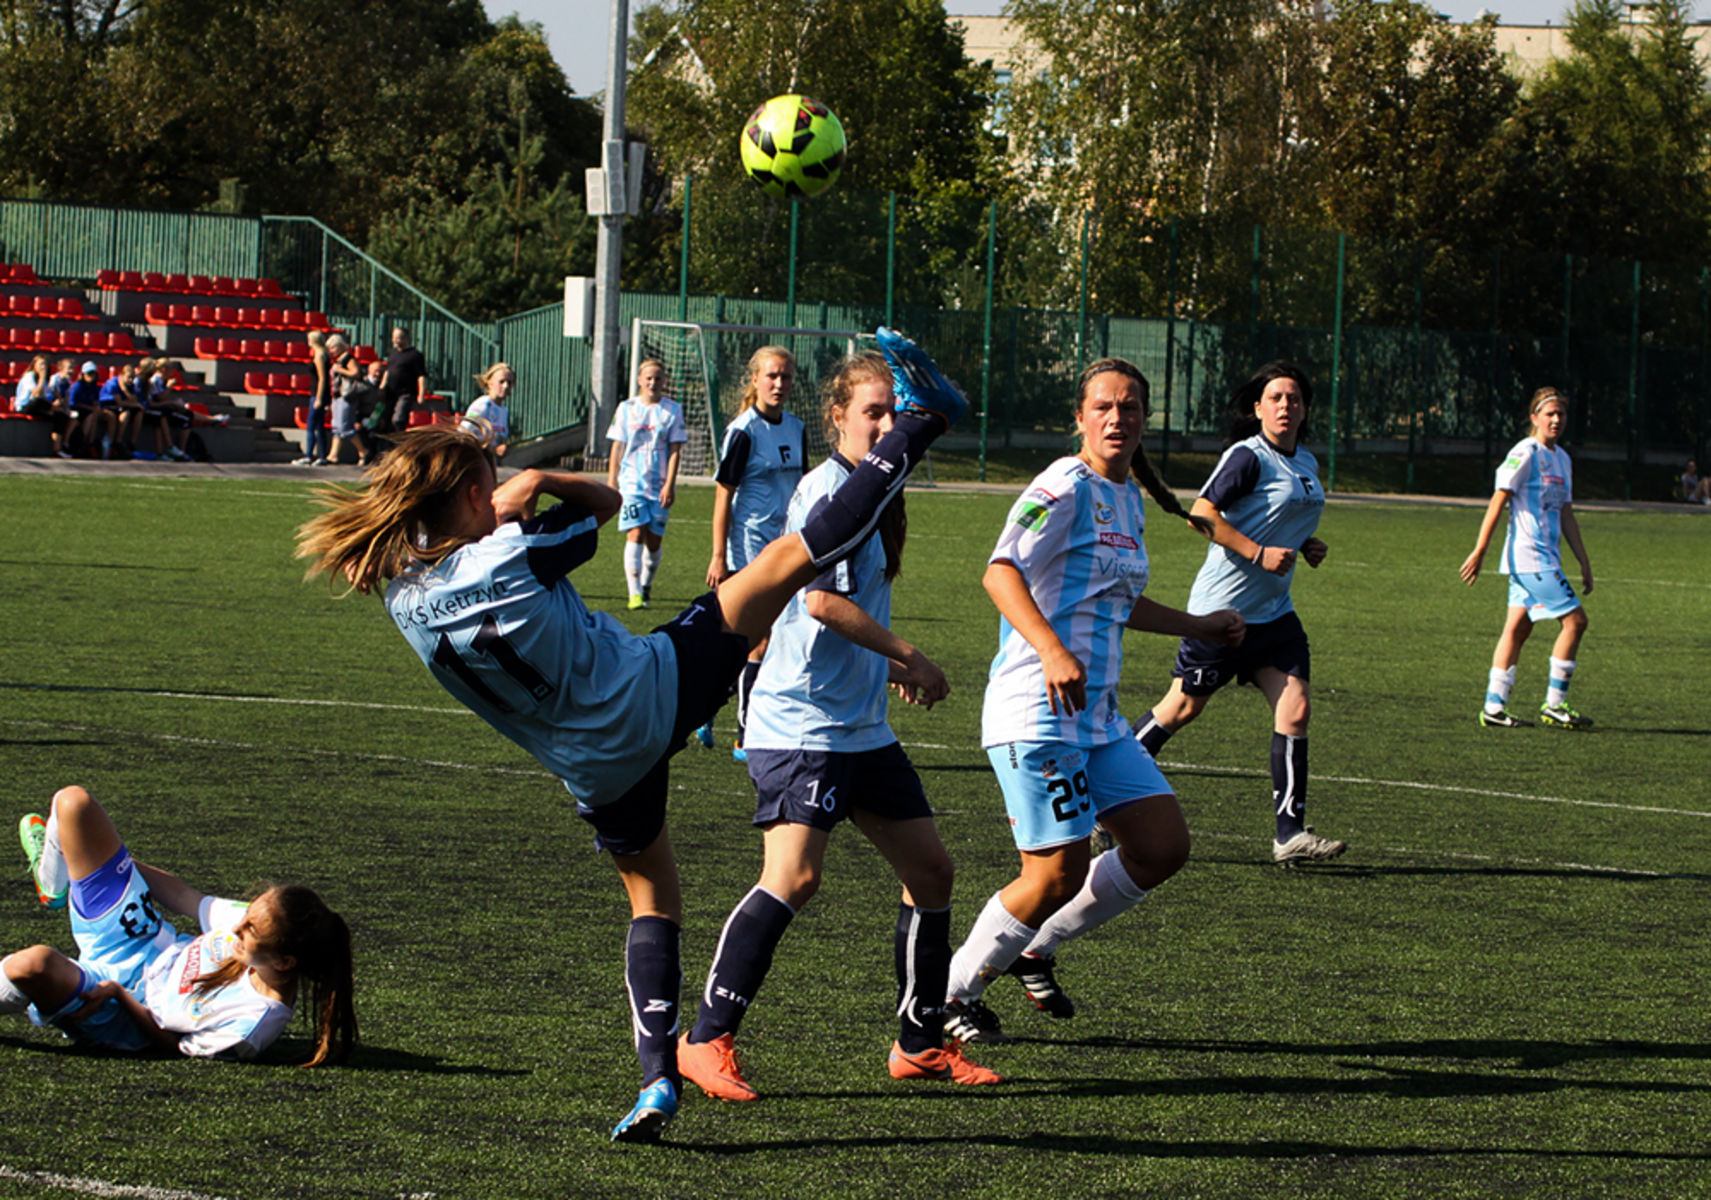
{"x":793,"y":146}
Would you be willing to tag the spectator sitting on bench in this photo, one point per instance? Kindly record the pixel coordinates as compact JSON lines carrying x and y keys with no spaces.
{"x":177,"y":417}
{"x":1694,"y":488}
{"x":35,"y":398}
{"x":98,"y":423}
{"x":120,"y":394}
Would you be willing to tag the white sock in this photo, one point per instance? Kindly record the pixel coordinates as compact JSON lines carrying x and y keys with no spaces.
{"x":650,"y":564}
{"x":633,"y":567}
{"x":995,"y":942}
{"x":1562,"y":670}
{"x":1107,"y":892}
{"x":11,"y":999}
{"x":1502,"y":682}
{"x":51,"y":873}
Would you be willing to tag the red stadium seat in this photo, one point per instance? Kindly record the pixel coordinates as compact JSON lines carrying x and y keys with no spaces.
{"x":154,"y":281}
{"x":178,"y":283}
{"x":299,"y":352}
{"x":121,"y":343}
{"x":180,"y":314}
{"x":227,"y":317}
{"x":196,"y":406}
{"x":318,"y":320}
{"x":247,"y":287}
{"x":256,"y":383}
{"x":250,"y":318}
{"x":107,"y":280}
{"x":207,"y":347}
{"x":71,"y":309}
{"x":278,"y":352}
{"x":366,"y":355}
{"x":94,"y":342}
{"x":270,"y":287}
{"x":131,"y":281}
{"x":201,"y":285}
{"x":255,"y":350}
{"x":223,"y":286}
{"x":48,"y":306}
{"x":202,"y":314}
{"x":231,"y":348}
{"x":273,"y":318}
{"x":420,"y":417}
{"x":296,"y":318}
{"x":156,"y":314}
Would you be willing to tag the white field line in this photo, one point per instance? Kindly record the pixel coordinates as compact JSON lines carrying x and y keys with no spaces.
{"x":1445,"y":787}
{"x":99,"y":1187}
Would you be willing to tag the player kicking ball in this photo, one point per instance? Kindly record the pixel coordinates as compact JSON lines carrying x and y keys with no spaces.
{"x":477,"y":581}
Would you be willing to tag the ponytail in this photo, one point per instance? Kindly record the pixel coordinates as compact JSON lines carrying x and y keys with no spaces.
{"x":1140,"y":464}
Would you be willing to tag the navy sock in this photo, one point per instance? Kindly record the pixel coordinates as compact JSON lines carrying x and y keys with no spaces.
{"x":923,"y":955}
{"x":1289,"y":784}
{"x":1151,"y":734}
{"x":850,"y":513}
{"x":752,"y":932}
{"x":745,"y":685}
{"x":652,"y":976}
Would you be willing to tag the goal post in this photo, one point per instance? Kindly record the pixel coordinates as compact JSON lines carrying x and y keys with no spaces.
{"x":706,"y":370}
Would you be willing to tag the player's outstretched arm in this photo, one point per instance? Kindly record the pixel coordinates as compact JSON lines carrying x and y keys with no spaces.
{"x":1149,"y":616}
{"x":515,"y":499}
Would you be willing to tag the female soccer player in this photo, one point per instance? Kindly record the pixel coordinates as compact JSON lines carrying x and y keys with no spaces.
{"x":647,"y":437}
{"x":1536,"y":484}
{"x":1067,"y":577}
{"x":820,"y":750}
{"x":760,"y":464}
{"x":1264,"y":501}
{"x":489,"y":411}
{"x":479,"y":588}
{"x":138,"y":984}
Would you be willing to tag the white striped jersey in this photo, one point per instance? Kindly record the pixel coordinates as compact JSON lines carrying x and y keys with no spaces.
{"x":816,"y":690}
{"x":1539,"y":481}
{"x":1076,"y":539}
{"x":234,"y":1021}
{"x":648,"y":432}
{"x":500,"y":626}
{"x":761,"y":461}
{"x":1273,"y":498}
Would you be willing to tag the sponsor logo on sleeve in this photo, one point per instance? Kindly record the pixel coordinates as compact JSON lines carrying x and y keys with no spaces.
{"x":1030,"y":515}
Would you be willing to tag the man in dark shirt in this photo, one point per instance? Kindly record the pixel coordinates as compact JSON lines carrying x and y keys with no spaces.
{"x":405,"y":383}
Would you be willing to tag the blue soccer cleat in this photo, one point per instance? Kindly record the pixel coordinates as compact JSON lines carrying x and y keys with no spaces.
{"x":705,"y":735}
{"x":738,"y":754}
{"x":917,"y":382}
{"x":654,"y":1109}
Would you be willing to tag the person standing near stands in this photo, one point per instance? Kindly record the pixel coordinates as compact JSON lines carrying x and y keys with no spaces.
{"x":405,"y":384}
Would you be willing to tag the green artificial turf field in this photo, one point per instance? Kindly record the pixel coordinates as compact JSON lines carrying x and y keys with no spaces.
{"x":1498,"y":990}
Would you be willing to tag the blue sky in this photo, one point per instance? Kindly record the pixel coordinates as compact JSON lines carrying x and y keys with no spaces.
{"x":577,"y":29}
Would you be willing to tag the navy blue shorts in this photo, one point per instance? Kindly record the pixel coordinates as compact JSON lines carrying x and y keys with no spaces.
{"x":819,"y":788}
{"x":1204,"y":667}
{"x":709,"y":660}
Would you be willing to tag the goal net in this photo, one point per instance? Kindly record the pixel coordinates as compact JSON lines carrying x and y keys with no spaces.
{"x":706,"y":370}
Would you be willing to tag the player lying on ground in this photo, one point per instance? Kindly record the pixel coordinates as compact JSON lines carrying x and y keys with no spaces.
{"x":479,"y":587}
{"x":139,"y":984}
{"x":820,"y":750}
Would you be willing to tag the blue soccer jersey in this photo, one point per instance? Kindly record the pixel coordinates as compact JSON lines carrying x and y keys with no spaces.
{"x":762,"y":462}
{"x":648,"y":432}
{"x":816,"y":690}
{"x":502,"y":629}
{"x":1076,"y":538}
{"x":1273,"y":498}
{"x":1539,"y":481}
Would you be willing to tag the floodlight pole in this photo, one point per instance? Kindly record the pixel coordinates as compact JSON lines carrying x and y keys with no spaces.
{"x":608,"y":255}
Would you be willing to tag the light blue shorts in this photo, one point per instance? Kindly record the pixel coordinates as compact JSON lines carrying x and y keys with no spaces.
{"x":1546,"y":595}
{"x":638,"y":513}
{"x":119,"y":932}
{"x":1054,"y":792}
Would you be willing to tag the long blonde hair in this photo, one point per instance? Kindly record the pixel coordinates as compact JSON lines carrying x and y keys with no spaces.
{"x":400,"y":519}
{"x":751,"y":392}
{"x":485,"y":379}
